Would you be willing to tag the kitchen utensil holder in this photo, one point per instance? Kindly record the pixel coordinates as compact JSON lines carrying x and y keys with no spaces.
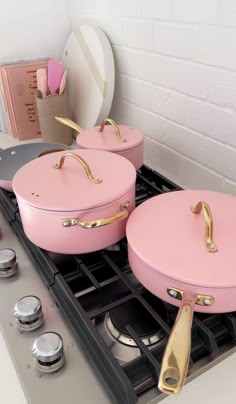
{"x":48,"y":108}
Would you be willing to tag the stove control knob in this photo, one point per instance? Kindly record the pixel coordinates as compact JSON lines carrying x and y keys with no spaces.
{"x":28,"y":313}
{"x":8,"y":263}
{"x":48,"y":352}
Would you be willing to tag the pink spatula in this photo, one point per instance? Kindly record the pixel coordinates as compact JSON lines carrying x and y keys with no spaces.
{"x":55,"y":73}
{"x":41,"y":75}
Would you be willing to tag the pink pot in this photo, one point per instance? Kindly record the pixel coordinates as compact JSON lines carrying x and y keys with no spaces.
{"x":188,"y":260}
{"x":66,"y":209}
{"x":121,"y":139}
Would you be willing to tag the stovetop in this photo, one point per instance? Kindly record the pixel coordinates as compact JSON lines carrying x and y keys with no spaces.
{"x":122,"y":327}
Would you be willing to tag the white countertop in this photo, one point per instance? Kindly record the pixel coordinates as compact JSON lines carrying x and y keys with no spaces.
{"x":10,"y":391}
{"x":215,"y":386}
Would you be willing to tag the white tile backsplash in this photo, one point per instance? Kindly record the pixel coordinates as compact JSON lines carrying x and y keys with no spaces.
{"x":175,"y":74}
{"x":176,"y":64}
{"x":173,"y":39}
{"x":154,"y":9}
{"x":202,"y":11}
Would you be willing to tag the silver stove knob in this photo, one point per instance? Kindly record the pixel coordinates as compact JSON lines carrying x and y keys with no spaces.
{"x":8,"y":263}
{"x":48,"y":352}
{"x":28,"y":313}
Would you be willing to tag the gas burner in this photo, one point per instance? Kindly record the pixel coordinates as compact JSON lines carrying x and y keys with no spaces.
{"x":113,"y":247}
{"x":132,"y":313}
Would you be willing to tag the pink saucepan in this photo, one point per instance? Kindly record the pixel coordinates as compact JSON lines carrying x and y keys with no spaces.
{"x":121,"y":139}
{"x":175,"y":254}
{"x":75,"y":202}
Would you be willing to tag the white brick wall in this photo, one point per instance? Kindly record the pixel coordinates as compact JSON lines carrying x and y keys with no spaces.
{"x":175,"y":80}
{"x":163,"y":42}
{"x":200,"y":11}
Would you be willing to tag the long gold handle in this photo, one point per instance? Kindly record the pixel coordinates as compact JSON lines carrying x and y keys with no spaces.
{"x":82,"y":162}
{"x":210,"y":245}
{"x":177,"y":353}
{"x":100,"y":222}
{"x":116,"y":128}
{"x":68,"y":122}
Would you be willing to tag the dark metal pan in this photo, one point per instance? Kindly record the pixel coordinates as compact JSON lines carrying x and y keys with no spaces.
{"x":13,"y":158}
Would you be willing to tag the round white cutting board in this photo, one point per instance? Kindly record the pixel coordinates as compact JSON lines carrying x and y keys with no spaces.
{"x":89,"y":61}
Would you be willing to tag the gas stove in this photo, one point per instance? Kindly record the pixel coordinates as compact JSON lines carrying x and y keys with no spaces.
{"x":84,"y":320}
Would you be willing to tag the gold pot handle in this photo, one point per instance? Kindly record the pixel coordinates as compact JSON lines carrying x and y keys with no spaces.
{"x":100,"y":222}
{"x":82,"y":162}
{"x":68,"y":122}
{"x":177,"y":353}
{"x":49,"y":151}
{"x":116,"y":128}
{"x":210,"y":245}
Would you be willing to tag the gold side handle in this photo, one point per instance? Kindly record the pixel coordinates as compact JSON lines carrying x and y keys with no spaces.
{"x":82,"y":162}
{"x":68,"y":122}
{"x":100,"y":222}
{"x":116,"y":129}
{"x":210,"y":245}
{"x":175,"y":361}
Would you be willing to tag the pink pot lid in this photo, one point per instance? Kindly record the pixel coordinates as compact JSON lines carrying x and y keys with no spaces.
{"x":107,"y":139}
{"x":170,"y":238}
{"x":68,"y":188}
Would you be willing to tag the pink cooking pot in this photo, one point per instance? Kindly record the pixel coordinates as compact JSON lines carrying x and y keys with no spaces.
{"x":123,"y":140}
{"x":75,"y":202}
{"x":173,"y":252}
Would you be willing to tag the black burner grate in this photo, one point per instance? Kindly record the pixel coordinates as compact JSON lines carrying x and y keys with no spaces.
{"x":88,"y":286}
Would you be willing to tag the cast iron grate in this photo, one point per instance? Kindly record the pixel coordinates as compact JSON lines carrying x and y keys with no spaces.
{"x":88,"y":286}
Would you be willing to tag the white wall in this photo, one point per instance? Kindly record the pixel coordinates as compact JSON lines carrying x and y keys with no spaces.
{"x":176,"y":80}
{"x":33,"y":29}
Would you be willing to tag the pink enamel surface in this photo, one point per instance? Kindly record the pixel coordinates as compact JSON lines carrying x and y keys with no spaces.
{"x":157,"y":284}
{"x":107,"y":140}
{"x":169,"y":241}
{"x":44,"y":228}
{"x":7,"y":185}
{"x":135,"y":156}
{"x":68,"y":188}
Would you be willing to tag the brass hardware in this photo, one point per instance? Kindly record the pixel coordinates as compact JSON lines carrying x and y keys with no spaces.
{"x":49,"y":151}
{"x":82,"y":162}
{"x":177,"y":353}
{"x":210,"y":245}
{"x":68,"y":122}
{"x":100,"y":222}
{"x":175,"y":293}
{"x":116,"y":128}
{"x":202,"y":300}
